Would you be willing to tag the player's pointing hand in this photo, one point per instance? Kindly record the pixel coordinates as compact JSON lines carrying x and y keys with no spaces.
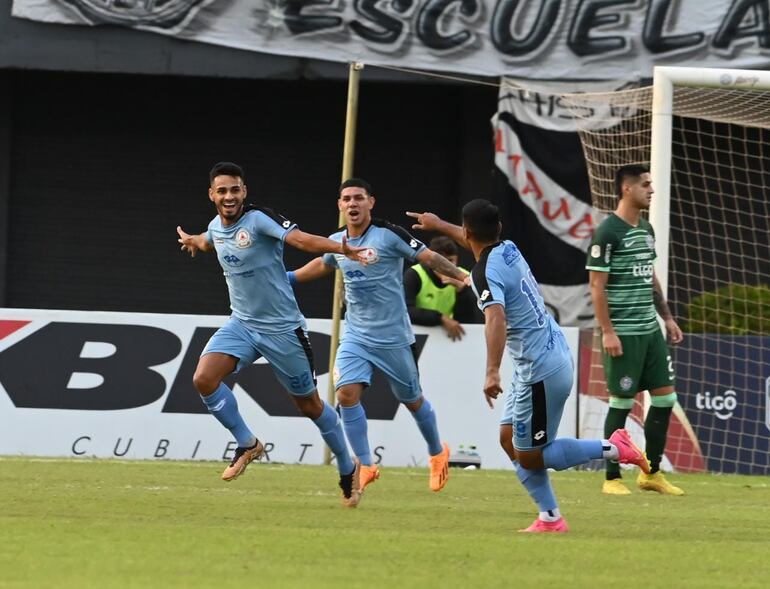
{"x":425,"y":221}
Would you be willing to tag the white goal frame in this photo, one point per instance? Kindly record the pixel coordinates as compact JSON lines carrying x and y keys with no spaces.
{"x":664,"y":80}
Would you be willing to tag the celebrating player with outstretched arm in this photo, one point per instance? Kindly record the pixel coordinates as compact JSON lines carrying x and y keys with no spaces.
{"x":265,"y":320}
{"x":377,"y":329}
{"x":515,"y":314}
{"x":626,"y":294}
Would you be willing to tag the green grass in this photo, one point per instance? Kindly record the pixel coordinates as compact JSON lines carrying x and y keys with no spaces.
{"x":103,"y":523}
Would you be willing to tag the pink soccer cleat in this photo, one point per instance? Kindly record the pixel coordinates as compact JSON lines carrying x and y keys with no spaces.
{"x":560,"y":525}
{"x":629,"y":453}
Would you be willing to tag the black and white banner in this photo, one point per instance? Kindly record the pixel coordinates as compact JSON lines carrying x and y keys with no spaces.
{"x":541,"y":185}
{"x":537,"y":39}
{"x":78,"y":383}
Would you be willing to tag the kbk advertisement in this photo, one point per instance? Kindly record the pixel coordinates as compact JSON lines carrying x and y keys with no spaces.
{"x":119,"y":385}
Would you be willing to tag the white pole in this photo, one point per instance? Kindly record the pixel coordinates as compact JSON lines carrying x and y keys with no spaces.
{"x":660,"y":169}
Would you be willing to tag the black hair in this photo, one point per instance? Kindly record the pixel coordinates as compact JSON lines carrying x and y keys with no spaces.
{"x":627,"y":172}
{"x":443,"y":245}
{"x":226,"y":169}
{"x":482,"y":219}
{"x":358,"y":183}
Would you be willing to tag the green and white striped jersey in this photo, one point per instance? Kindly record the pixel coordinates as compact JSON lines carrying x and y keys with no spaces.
{"x":627,"y":253}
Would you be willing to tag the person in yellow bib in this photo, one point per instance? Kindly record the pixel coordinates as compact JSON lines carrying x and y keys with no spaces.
{"x":435,"y":299}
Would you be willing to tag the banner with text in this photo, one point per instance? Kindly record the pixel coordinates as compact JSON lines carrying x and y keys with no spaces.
{"x":541,"y":186}
{"x":77,"y":383}
{"x":551,"y":39}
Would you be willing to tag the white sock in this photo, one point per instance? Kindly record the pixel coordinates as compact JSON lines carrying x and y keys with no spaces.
{"x":609,"y":450}
{"x":552,"y":515}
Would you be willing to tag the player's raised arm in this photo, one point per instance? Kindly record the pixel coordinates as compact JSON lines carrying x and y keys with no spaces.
{"x":432,"y":222}
{"x":440,"y":265}
{"x":315,"y":244}
{"x":193,"y":243}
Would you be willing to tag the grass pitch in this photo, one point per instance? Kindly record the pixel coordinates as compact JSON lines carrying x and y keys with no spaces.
{"x":104,"y":523}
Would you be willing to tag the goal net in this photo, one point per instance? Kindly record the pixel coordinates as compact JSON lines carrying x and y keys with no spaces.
{"x":711,"y":213}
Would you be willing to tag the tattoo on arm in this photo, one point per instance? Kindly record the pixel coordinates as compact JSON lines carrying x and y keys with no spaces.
{"x":441,"y":265}
{"x":660,"y":302}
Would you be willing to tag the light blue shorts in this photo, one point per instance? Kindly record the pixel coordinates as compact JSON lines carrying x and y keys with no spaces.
{"x":289,"y":354}
{"x":355,"y":363}
{"x":535,"y":409}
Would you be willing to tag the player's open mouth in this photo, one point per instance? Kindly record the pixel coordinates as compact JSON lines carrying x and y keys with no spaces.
{"x":353,"y":214}
{"x":229,"y":206}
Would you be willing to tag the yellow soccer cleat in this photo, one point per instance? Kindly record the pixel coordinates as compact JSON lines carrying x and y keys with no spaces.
{"x":351,"y":486}
{"x":439,"y":469}
{"x":241,"y":459}
{"x":658,"y":483}
{"x":368,"y":475}
{"x":615,"y":487}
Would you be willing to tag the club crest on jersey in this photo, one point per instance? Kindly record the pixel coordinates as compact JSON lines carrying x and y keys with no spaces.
{"x":596,"y":251}
{"x":370,"y":255}
{"x":626,"y":382}
{"x":650,"y":242}
{"x":242,"y":238}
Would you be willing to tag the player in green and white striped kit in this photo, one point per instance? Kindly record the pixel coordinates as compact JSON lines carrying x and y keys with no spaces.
{"x":626,"y":295}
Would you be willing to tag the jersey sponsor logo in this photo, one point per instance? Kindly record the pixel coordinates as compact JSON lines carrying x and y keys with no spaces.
{"x":539,"y":435}
{"x":626,"y":383}
{"x":218,"y":240}
{"x":722,"y":405}
{"x":485,"y":295}
{"x":371,"y":256}
{"x":242,"y":239}
{"x":232,"y":260}
{"x":596,"y":251}
{"x":643,"y":270}
{"x":355,"y":274}
{"x":607,"y":253}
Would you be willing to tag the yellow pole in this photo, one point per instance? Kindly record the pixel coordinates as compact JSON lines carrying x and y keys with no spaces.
{"x":348,"y":153}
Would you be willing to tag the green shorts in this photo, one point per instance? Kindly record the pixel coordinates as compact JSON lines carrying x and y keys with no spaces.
{"x":644,"y":366}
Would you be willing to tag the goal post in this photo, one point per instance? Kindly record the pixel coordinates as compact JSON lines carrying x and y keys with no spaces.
{"x":705,"y":134}
{"x":665,"y":78}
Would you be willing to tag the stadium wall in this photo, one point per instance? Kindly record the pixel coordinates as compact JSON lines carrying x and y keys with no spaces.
{"x":95,"y":180}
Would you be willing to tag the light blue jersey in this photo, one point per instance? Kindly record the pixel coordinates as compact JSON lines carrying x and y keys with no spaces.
{"x":251,"y":254}
{"x":376,"y":310}
{"x":535,"y":341}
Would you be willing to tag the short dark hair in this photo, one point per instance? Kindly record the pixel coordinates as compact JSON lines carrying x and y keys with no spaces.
{"x":358,"y":183}
{"x":627,"y":172}
{"x":482,"y":219}
{"x":226,"y":169}
{"x":443,"y":245}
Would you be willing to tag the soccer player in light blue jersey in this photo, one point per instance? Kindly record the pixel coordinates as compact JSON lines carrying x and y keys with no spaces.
{"x":515,"y":315}
{"x":265,"y":320}
{"x":378,"y":333}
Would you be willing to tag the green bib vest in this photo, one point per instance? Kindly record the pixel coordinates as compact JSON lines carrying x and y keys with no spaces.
{"x":432,"y":297}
